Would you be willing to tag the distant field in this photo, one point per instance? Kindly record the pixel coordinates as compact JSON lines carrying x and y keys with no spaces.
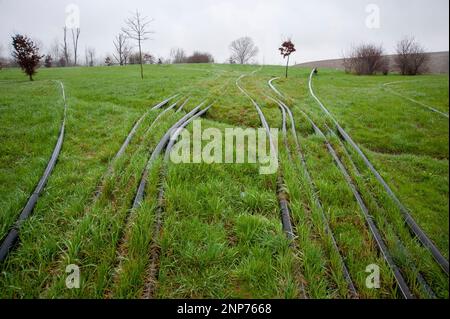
{"x":222,"y":235}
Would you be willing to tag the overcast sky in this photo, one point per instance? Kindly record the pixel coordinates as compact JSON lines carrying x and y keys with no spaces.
{"x":320,"y":29}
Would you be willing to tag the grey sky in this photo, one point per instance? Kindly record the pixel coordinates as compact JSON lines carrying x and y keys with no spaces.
{"x":320,"y":28}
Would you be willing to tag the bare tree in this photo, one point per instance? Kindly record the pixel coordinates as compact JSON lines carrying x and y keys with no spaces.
{"x":134,"y":58}
{"x":1,"y":57}
{"x":366,"y":59}
{"x":65,"y":48}
{"x":90,"y":56}
{"x":54,"y":50}
{"x":86,"y":57}
{"x":122,"y":49}
{"x":243,"y":50}
{"x":75,"y":36}
{"x":411,"y":58}
{"x":48,"y":61}
{"x":178,"y":55}
{"x":137,"y":29}
{"x":149,"y":59}
{"x":126,"y":54}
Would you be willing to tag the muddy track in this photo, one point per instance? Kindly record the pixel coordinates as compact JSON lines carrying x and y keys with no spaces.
{"x":282,"y":196}
{"x":286,"y":219}
{"x":139,"y":197}
{"x":285,"y":109}
{"x":409,"y":220}
{"x":155,"y":250}
{"x":127,"y":141}
{"x":166,"y":142}
{"x":138,"y":122}
{"x":386,"y":86}
{"x":160,"y":115}
{"x":401,"y":282}
{"x":12,"y":237}
{"x":140,"y":193}
{"x":426,"y":287}
{"x":119,"y":154}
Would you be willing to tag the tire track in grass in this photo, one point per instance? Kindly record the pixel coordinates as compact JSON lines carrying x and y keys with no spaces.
{"x":426,"y":288}
{"x":117,"y":156}
{"x":122,"y":235}
{"x":306,"y":207}
{"x":128,"y":140}
{"x":286,"y":220}
{"x":99,"y":191}
{"x":45,"y":277}
{"x":301,"y":157}
{"x":12,"y":237}
{"x":281,"y":193}
{"x":409,"y":220}
{"x":140,"y":192}
{"x":101,"y":227}
{"x":155,"y":250}
{"x":125,"y":261}
{"x":401,"y":282}
{"x":386,"y":86}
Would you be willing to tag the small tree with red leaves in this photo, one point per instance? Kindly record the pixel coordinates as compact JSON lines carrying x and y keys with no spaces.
{"x":286,"y":49}
{"x":26,"y":54}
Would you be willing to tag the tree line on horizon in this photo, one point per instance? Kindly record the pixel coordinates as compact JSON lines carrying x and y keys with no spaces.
{"x":364,"y":59}
{"x":369,"y":59}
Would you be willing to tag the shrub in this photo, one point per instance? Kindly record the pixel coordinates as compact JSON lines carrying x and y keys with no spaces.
{"x":366,"y":59}
{"x":411,"y":58}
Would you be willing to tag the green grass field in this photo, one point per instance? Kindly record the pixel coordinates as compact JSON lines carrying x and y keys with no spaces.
{"x":221,"y":233}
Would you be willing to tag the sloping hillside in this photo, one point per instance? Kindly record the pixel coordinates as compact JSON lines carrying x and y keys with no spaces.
{"x":438,"y":63}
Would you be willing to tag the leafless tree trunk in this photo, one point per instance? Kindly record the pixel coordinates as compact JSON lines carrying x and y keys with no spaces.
{"x":137,"y":29}
{"x":243,"y":50}
{"x":90,"y":56}
{"x":86,"y":57}
{"x":54,"y":50}
{"x":411,"y":58}
{"x":1,"y":56}
{"x":75,"y":36}
{"x":178,"y":55}
{"x":126,"y":54}
{"x":287,"y":66}
{"x":121,"y":46}
{"x":65,"y":47}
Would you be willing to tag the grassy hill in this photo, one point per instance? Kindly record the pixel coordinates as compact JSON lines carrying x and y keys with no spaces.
{"x":221,"y":230}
